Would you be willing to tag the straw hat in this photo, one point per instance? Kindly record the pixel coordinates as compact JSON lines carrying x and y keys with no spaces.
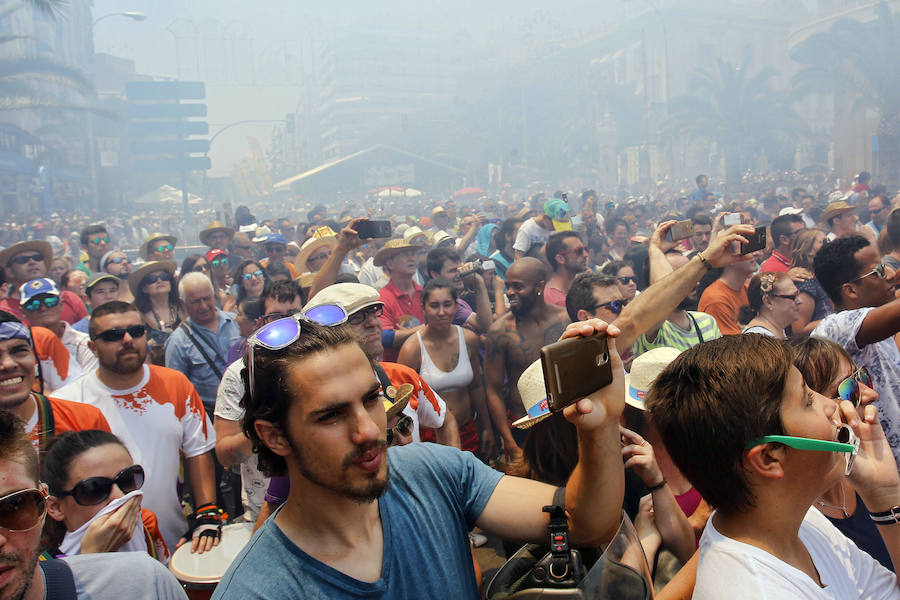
{"x":136,"y":277}
{"x":261,"y":233}
{"x":836,"y":208}
{"x":152,"y":238}
{"x":324,"y":236}
{"x":392,"y":248}
{"x":534,"y":396}
{"x":644,"y":371}
{"x":442,"y":236}
{"x":40,"y":246}
{"x":412,"y":233}
{"x":396,"y":399}
{"x":214,"y":227}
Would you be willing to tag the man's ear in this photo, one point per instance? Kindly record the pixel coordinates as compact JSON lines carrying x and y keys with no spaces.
{"x":765,"y":460}
{"x":849,"y":291}
{"x":92,"y":346}
{"x":582,"y":315}
{"x":272,"y":436}
{"x":540,"y":287}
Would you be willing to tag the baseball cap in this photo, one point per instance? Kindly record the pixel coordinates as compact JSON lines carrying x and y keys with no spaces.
{"x":276,"y":238}
{"x":215,"y":253}
{"x":37,"y":287}
{"x":351,"y":296}
{"x":558,"y":211}
{"x":98,"y":277}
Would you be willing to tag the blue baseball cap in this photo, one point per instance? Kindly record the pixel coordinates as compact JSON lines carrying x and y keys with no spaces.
{"x":558,"y":211}
{"x":37,"y":287}
{"x":275,"y":238}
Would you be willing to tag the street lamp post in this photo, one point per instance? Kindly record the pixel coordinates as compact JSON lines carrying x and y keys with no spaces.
{"x":131,"y":14}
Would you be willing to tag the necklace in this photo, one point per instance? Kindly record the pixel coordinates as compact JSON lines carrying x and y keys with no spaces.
{"x":842,"y":507}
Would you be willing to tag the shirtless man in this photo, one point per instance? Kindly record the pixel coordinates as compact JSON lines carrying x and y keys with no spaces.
{"x":515,"y":341}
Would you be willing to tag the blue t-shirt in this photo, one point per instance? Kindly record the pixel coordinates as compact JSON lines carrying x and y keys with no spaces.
{"x":436,"y":494}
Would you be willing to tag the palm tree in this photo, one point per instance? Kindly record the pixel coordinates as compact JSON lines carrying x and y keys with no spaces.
{"x":857,"y":63}
{"x":739,"y":112}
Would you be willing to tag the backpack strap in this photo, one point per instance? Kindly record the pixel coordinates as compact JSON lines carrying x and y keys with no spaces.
{"x":209,"y":361}
{"x":58,"y":579}
{"x":382,"y":377}
{"x":46,"y":423}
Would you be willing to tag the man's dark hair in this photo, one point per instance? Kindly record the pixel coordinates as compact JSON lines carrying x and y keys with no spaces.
{"x":700,"y":178}
{"x":90,"y":230}
{"x":612,"y":267}
{"x":252,"y":307}
{"x":274,"y":390}
{"x":720,"y":395}
{"x":611,"y":225}
{"x":244,"y":219}
{"x":581,"y":293}
{"x":116,"y":307}
{"x":15,"y":445}
{"x":436,"y":258}
{"x":892,"y":225}
{"x":597,"y":241}
{"x":701,"y":219}
{"x":316,"y":210}
{"x":508,"y":227}
{"x":556,"y":243}
{"x":835,"y":264}
{"x":282,"y":291}
{"x":781,"y":226}
{"x":273,"y":270}
{"x":797,"y":193}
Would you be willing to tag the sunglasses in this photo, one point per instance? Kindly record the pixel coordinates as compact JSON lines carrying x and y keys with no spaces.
{"x":37,"y":303}
{"x":360,"y":316}
{"x":614,"y":306}
{"x":403,"y":427}
{"x":254,"y":275}
{"x":878,"y":271}
{"x":848,"y":389}
{"x":219,"y":262}
{"x":100,"y":240}
{"x":846,"y":441}
{"x":165,"y":248}
{"x":578,"y":251}
{"x":792,"y":297}
{"x":625,"y":280}
{"x":283,"y":332}
{"x":117,"y":334}
{"x":94,"y":490}
{"x":22,"y":510}
{"x":201,"y":268}
{"x":25,"y":258}
{"x":159,"y":276}
{"x":117,"y":260}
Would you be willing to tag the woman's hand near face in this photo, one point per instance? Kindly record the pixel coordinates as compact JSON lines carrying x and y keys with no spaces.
{"x":109,"y":532}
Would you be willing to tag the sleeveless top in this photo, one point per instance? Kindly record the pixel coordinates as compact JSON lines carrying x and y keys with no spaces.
{"x":442,"y":381}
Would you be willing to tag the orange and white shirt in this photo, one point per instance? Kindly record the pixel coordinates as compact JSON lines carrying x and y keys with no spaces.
{"x":425,"y":407}
{"x":67,"y":416}
{"x":54,"y":359}
{"x":164,"y":416}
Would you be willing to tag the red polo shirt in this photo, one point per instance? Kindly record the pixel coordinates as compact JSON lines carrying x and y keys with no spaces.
{"x":776,"y":263}
{"x":401,"y":311}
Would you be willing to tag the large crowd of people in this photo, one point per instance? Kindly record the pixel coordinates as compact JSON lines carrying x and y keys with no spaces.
{"x":359,"y":400}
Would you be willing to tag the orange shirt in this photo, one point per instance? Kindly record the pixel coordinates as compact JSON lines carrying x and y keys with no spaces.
{"x":68,"y":416}
{"x":156,"y":545}
{"x":723,"y":304}
{"x":54,"y":359}
{"x":290,"y":267}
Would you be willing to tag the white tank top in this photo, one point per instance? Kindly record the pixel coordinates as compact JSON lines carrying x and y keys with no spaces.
{"x":442,"y":381}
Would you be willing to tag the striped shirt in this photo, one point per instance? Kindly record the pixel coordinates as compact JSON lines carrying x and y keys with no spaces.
{"x":704,"y":326}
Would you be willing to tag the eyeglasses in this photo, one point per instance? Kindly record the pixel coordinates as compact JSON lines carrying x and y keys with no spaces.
{"x":848,"y":389}
{"x":254,"y":275}
{"x":268,"y":318}
{"x":403,"y":427}
{"x":100,"y":240}
{"x":158,"y":276}
{"x":116,"y":260}
{"x":117,"y":334}
{"x":219,"y":262}
{"x":614,"y":306}
{"x":283,"y":332}
{"x":792,"y":297}
{"x":165,"y":248}
{"x":878,"y":270}
{"x":22,"y":259}
{"x":625,"y":280}
{"x":846,"y":442}
{"x":578,"y":250}
{"x":94,"y":490}
{"x":360,"y":316}
{"x":22,"y":510}
{"x":200,"y":268}
{"x":37,"y":303}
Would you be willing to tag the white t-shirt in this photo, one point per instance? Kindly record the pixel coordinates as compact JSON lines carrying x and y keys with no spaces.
{"x":530,"y":234}
{"x":228,"y":406}
{"x":79,"y":352}
{"x":882,"y":359}
{"x":164,"y":416}
{"x":738,"y":571}
{"x":371,"y":275}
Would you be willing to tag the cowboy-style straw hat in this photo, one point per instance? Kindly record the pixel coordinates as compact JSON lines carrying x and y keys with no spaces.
{"x":324,"y":236}
{"x":145,"y":248}
{"x":392,"y":248}
{"x":136,"y":277}
{"x":214,"y":227}
{"x":836,"y":208}
{"x":40,"y":246}
{"x":644,"y":371}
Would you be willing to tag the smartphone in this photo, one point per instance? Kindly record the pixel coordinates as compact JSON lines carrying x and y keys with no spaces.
{"x":373,"y":229}
{"x":757,"y":241}
{"x":731,"y":219}
{"x":574,"y":368}
{"x":680,"y":231}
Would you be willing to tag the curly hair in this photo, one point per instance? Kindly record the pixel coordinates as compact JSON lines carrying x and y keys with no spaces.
{"x":835,"y":264}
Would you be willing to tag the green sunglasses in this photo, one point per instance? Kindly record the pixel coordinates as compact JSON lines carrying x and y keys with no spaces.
{"x":165,"y":248}
{"x":846,"y":442}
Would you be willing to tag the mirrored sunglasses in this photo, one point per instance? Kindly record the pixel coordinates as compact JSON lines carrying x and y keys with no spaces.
{"x":100,"y":240}
{"x":94,"y":490}
{"x":625,"y":280}
{"x":614,"y":306}
{"x":117,"y":334}
{"x":117,"y":260}
{"x":37,"y":303}
{"x":165,"y":248}
{"x":403,"y":427}
{"x":254,"y":275}
{"x":879,"y":271}
{"x":22,"y":510}
{"x":219,"y":262}
{"x":848,"y":389}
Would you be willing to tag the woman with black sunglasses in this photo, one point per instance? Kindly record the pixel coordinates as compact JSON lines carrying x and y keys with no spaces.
{"x":156,"y":296}
{"x":95,"y":497}
{"x":773,"y":304}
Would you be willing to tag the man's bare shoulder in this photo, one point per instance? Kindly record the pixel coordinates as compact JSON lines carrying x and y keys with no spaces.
{"x":502,"y":325}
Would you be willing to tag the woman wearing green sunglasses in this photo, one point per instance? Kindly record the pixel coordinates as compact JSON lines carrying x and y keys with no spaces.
{"x":250,"y":279}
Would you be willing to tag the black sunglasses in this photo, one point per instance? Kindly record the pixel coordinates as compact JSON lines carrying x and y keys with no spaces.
{"x":625,"y":280}
{"x":158,"y":276}
{"x":22,"y":510}
{"x":94,"y":490}
{"x":25,"y":258}
{"x":360,"y":316}
{"x":614,"y":306}
{"x":403,"y":427}
{"x":117,"y":334}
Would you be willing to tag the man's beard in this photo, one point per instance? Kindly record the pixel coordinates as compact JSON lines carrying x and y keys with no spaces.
{"x":27,"y":565}
{"x":118,"y":366}
{"x":526,"y":303}
{"x":370,"y":492}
